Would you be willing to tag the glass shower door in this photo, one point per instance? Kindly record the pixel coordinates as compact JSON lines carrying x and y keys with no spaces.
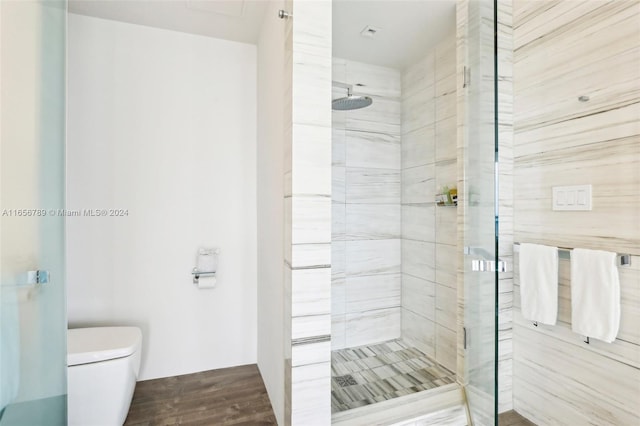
{"x":32,"y":282}
{"x":480,"y":215}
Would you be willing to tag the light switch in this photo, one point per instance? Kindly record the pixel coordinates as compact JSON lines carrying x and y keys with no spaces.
{"x":572,"y":198}
{"x":582,"y":198}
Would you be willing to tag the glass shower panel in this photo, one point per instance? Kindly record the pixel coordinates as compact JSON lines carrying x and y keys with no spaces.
{"x":480,"y":224}
{"x":32,"y":287}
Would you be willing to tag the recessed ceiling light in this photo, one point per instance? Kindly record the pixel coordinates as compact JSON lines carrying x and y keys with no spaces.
{"x":369,"y":31}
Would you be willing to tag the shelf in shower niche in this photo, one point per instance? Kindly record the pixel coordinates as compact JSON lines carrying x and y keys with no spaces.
{"x":446,"y":200}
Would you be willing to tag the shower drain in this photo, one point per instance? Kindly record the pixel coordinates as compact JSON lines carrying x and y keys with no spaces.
{"x":346,"y":380}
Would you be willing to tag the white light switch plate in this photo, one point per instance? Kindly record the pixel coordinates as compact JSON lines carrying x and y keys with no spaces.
{"x":572,"y":198}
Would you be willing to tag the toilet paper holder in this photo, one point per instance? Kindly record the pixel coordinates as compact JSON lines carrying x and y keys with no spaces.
{"x":206,"y":264}
{"x":196,"y":274}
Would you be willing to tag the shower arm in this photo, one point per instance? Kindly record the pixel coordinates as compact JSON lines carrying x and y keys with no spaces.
{"x":349,"y":87}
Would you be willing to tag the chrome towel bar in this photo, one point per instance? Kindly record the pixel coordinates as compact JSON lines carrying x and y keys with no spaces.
{"x":623,"y":259}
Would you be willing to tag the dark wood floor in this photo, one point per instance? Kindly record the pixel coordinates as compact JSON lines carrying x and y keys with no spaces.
{"x":511,"y":418}
{"x":229,"y":396}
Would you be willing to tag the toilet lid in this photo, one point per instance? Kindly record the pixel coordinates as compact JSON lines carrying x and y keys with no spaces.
{"x":87,"y":345}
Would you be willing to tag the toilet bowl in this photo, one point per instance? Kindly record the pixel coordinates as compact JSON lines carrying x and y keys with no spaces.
{"x":103,"y":365}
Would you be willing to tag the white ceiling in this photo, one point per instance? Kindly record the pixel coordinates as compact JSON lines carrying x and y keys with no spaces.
{"x":237,"y":20}
{"x":408,"y":29}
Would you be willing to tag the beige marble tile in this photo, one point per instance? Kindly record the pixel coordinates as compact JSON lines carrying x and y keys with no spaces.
{"x":454,"y":416}
{"x":446,"y":107}
{"x":446,"y":347}
{"x":310,"y":292}
{"x":338,"y":221}
{"x":418,"y":259}
{"x":338,"y":296}
{"x":560,"y":141}
{"x":376,"y":186}
{"x":371,"y":257}
{"x":311,"y":219}
{"x":446,"y":225}
{"x":418,"y":76}
{"x":373,"y":221}
{"x":338,"y":184}
{"x":419,"y":296}
{"x":552,"y":372}
{"x":377,"y":80}
{"x":418,"y":147}
{"x":310,"y":394}
{"x":418,"y":222}
{"x":419,"y":331}
{"x":338,"y":331}
{"x":446,"y":265}
{"x":311,"y":255}
{"x":373,"y":150}
{"x":418,"y":110}
{"x":311,"y":156}
{"x":446,"y":138}
{"x":446,"y":306}
{"x":310,"y":86}
{"x":311,"y":353}
{"x":446,"y":173}
{"x":372,"y":326}
{"x":372,"y":292}
{"x":338,"y":144}
{"x":418,"y":184}
{"x":382,"y":116}
{"x":310,"y":326}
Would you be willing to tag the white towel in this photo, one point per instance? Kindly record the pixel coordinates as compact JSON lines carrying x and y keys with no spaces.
{"x":539,"y":283}
{"x":595,"y":294}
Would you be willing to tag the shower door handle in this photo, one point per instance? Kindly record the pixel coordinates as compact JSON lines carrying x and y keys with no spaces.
{"x":486,"y":264}
{"x":479,"y":265}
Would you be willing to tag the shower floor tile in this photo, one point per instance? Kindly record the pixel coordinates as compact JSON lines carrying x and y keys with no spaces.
{"x":373,"y":373}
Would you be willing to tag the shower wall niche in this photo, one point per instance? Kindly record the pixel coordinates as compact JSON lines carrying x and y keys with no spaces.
{"x":393,"y":250}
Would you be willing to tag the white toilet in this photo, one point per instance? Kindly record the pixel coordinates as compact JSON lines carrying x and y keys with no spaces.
{"x":103,"y":365}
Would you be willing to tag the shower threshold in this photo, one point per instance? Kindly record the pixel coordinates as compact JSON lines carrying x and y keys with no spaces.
{"x":371,"y":374}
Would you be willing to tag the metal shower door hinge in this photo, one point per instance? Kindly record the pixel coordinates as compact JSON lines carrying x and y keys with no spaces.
{"x":464,"y":336}
{"x":283,"y":14}
{"x":466,"y":76}
{"x":37,"y":277}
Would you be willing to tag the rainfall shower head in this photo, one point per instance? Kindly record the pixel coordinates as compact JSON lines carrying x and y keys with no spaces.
{"x":351,"y":101}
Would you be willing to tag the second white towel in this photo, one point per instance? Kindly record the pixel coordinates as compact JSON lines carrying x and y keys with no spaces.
{"x":539,"y":283}
{"x":595,"y":294}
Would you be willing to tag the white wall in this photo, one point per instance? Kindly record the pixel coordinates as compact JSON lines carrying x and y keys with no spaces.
{"x":270,"y":158}
{"x":163,"y":124}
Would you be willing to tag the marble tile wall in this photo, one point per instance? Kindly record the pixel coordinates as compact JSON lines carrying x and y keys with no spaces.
{"x":563,"y":50}
{"x":559,"y":379}
{"x":429,"y":232}
{"x":307,"y":205}
{"x":366,"y":250}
